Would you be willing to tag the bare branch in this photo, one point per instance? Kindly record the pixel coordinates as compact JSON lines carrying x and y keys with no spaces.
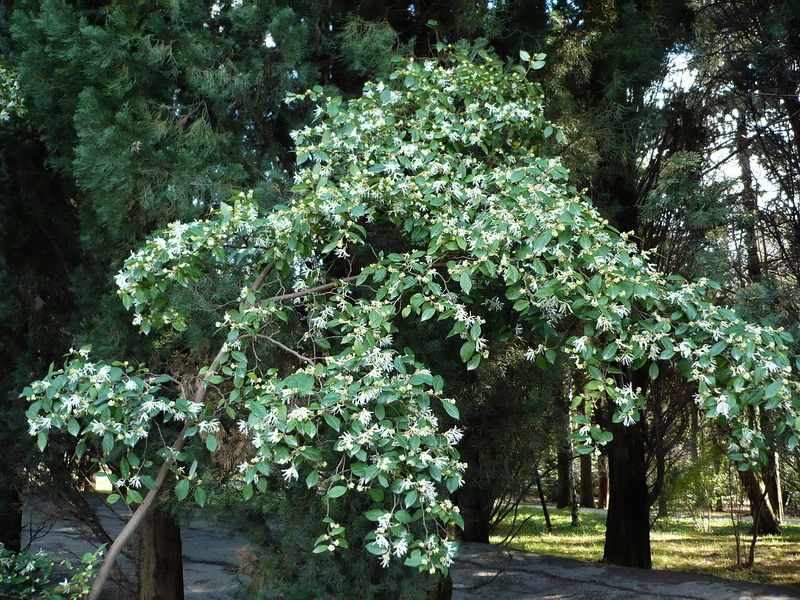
{"x":285,"y":348}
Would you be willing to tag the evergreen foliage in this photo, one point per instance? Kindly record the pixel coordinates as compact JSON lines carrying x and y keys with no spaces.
{"x":490,"y":234}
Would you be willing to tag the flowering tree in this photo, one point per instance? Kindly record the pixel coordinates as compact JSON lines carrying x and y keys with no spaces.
{"x":428,"y":198}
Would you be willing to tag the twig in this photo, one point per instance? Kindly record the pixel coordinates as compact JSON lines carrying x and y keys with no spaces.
{"x":285,"y":348}
{"x":138,"y":517}
{"x":308,"y":291}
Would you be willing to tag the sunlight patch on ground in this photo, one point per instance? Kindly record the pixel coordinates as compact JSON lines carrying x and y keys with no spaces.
{"x":677,"y":545}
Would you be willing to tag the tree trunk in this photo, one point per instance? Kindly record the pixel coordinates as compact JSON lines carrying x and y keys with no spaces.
{"x":772,"y":479}
{"x":602,"y":476}
{"x":566,"y":469}
{"x":764,"y":519}
{"x":542,"y":500}
{"x":571,"y":488}
{"x":628,"y":522}
{"x":443,"y":590}
{"x":694,"y":438}
{"x":587,"y":483}
{"x":10,"y":514}
{"x":475,"y":504}
{"x":160,"y":562}
{"x":564,"y":463}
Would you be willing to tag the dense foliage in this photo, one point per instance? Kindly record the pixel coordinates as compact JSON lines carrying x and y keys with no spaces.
{"x":430,"y":197}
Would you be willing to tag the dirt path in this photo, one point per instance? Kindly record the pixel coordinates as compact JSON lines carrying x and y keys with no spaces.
{"x":482,"y":572}
{"x":485,"y":572}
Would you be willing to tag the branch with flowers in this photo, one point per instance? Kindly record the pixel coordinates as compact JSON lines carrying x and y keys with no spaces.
{"x":486,"y":229}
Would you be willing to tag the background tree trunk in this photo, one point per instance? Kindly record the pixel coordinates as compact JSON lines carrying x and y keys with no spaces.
{"x":587,"y":483}
{"x":764,"y":519}
{"x":772,"y":479}
{"x":443,"y":590}
{"x":10,"y":514}
{"x":566,"y":470}
{"x":628,"y":522}
{"x":564,"y":464}
{"x":602,"y":476}
{"x":160,"y":560}
{"x":476,"y":508}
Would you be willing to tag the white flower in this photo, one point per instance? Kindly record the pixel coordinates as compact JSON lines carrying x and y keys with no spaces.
{"x":400,"y":547}
{"x":454,"y":435}
{"x":211,"y":426}
{"x":300,"y":413}
{"x":290,"y":474}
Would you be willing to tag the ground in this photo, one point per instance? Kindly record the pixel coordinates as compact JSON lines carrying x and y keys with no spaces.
{"x":486,"y":572}
{"x":482,"y":572}
{"x":680,"y":543}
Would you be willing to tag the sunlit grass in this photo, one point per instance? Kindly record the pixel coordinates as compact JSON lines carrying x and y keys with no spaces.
{"x":677,"y":545}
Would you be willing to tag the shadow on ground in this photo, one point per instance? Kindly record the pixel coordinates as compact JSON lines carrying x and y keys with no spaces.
{"x":482,"y":572}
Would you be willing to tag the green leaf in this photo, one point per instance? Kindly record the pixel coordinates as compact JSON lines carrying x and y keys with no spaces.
{"x":108,"y":443}
{"x":134,"y":497}
{"x":247,"y":491}
{"x":467,"y":350}
{"x":336,"y":491}
{"x":610,"y":351}
{"x":182,"y":489}
{"x":73,"y":427}
{"x":718,"y":348}
{"x":200,"y":496}
{"x":653,"y":371}
{"x":524,"y":56}
{"x":773,"y":389}
{"x":373,"y":548}
{"x":542,"y":241}
{"x":451,"y":409}
{"x":211,"y":443}
{"x":312,"y":478}
{"x":465,"y":281}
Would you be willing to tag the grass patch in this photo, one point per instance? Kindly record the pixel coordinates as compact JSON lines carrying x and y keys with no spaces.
{"x":677,"y":545}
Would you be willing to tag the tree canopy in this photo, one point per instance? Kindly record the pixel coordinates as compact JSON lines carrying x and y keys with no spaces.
{"x":433,"y":195}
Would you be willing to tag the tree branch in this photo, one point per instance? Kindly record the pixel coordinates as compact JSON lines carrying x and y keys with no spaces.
{"x":150,"y":499}
{"x":285,"y":348}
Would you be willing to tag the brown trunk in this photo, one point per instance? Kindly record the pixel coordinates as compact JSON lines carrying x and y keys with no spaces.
{"x":160,"y":562}
{"x":564,"y":464}
{"x":476,"y":505}
{"x":628,"y":523}
{"x":694,"y":438}
{"x":749,"y":204}
{"x":772,"y":479}
{"x":602,"y":476}
{"x":542,"y":500}
{"x":567,"y":496}
{"x":10,"y":515}
{"x":587,"y":484}
{"x":443,"y":590}
{"x":764,"y":519}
